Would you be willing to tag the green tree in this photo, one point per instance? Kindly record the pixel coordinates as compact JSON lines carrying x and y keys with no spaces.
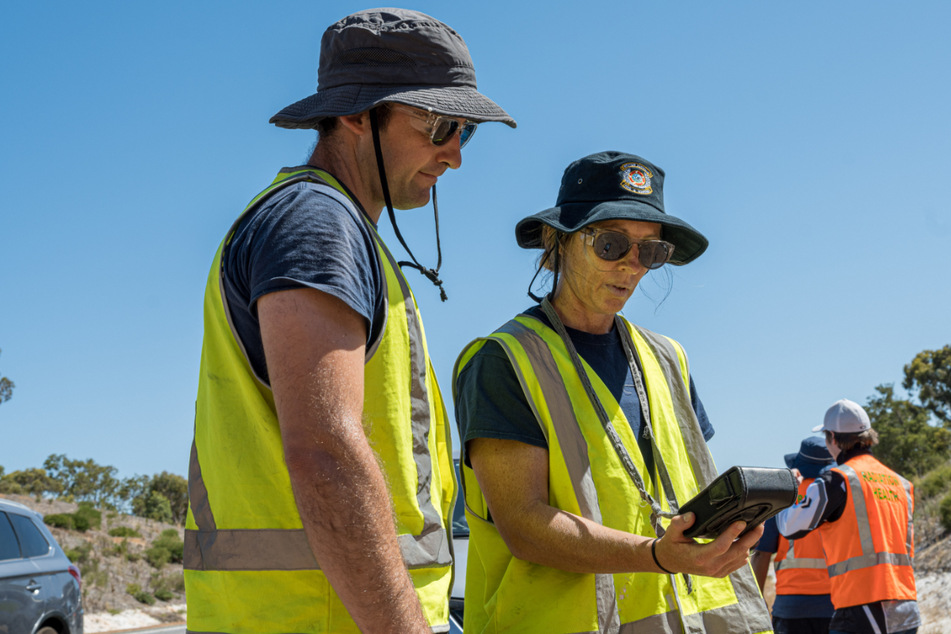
{"x":29,"y":482}
{"x":930,"y":373}
{"x":84,"y":480}
{"x":908,"y":442}
{"x":6,"y":388}
{"x":171,"y":488}
{"x":132,"y":488}
{"x":175,"y":489}
{"x":153,"y":506}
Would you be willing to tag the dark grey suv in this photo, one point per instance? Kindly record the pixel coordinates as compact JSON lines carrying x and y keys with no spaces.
{"x":39,"y":587}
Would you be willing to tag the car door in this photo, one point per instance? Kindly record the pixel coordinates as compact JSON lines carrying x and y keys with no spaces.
{"x":22,"y":595}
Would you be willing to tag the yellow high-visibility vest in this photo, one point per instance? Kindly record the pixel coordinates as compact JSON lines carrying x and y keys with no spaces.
{"x":248,"y":565}
{"x":587,"y":478}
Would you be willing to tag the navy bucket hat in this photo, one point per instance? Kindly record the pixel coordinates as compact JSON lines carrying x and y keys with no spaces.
{"x":397,"y":55}
{"x":612,"y":186}
{"x":812,"y":458}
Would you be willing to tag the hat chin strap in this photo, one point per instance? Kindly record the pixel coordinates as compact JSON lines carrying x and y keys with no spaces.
{"x":431,"y":274}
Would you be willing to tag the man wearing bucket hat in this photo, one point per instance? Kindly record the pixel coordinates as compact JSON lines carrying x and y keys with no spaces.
{"x":863,"y":511}
{"x":582,"y":433}
{"x":321,"y":481}
{"x":802,"y":604}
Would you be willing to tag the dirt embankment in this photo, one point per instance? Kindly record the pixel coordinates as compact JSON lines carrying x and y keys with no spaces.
{"x":115,"y":569}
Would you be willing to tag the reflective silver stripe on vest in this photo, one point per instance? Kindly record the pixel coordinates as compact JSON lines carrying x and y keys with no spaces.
{"x":791,"y":561}
{"x":696,"y":447}
{"x":573,"y":446}
{"x":432,"y":545}
{"x":869,"y":557}
{"x":801,"y":562}
{"x":749,"y":613}
{"x":209,"y":548}
{"x":667,"y":623}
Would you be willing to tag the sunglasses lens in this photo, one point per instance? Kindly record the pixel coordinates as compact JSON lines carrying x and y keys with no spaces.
{"x":653,"y":254}
{"x":445,"y":127}
{"x":443,"y":130}
{"x":467,"y":131}
{"x":611,"y":246}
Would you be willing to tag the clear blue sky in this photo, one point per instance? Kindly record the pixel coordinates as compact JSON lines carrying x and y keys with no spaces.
{"x":811,"y":142}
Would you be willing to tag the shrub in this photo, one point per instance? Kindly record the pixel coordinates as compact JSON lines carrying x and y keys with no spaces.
{"x":59,"y":520}
{"x":936,"y":482}
{"x":124,"y":531}
{"x":80,"y":554}
{"x":153,"y":506}
{"x":944,"y":510}
{"x":80,"y":522}
{"x":92,"y":575}
{"x":157,"y":556}
{"x":170,"y":541}
{"x":163,"y":594}
{"x":118,"y":550}
{"x":88,"y":511}
{"x":140,"y":595}
{"x":167,"y":586}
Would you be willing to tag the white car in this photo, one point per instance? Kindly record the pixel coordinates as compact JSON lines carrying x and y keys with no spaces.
{"x":460,"y":547}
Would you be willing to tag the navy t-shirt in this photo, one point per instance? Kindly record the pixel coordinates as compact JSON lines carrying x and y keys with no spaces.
{"x":490,"y":402}
{"x":300,"y":237}
{"x":792,"y":606}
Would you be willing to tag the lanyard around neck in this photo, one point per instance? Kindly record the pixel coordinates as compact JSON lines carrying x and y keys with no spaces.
{"x":619,"y":448}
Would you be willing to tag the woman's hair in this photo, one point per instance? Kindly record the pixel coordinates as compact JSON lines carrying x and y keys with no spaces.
{"x":847,"y":442}
{"x":553,"y":242}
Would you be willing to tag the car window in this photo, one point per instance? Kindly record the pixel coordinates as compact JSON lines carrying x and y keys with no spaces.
{"x":32,"y":542}
{"x":9,"y":547}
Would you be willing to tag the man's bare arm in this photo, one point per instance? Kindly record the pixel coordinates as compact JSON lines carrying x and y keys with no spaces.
{"x":314,"y":345}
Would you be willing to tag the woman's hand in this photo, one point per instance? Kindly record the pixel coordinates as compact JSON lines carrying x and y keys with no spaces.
{"x":725,"y":554}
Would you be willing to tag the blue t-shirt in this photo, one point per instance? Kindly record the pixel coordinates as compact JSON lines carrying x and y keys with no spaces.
{"x":299,"y":237}
{"x":490,"y":402}
{"x":792,"y":606}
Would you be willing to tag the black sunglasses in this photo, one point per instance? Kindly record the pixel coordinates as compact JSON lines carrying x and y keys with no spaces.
{"x":614,"y":245}
{"x":442,"y":128}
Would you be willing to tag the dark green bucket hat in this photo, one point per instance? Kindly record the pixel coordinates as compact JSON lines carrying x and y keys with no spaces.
{"x":612,"y":186}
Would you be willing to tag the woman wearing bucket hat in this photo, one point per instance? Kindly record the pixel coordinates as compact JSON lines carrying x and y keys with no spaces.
{"x":582,"y":435}
{"x":802,"y":604}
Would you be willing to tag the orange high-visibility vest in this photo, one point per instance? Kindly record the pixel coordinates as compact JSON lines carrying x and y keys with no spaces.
{"x":801,"y":563}
{"x":870,"y":549}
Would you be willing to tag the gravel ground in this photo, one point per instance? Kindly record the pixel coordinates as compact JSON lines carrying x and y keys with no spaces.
{"x":128,"y":619}
{"x":934,"y":601}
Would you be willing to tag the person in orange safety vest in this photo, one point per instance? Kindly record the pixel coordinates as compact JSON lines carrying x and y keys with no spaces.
{"x":802,"y":604}
{"x":863,"y":511}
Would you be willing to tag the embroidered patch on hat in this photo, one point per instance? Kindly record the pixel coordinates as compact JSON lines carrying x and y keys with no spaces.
{"x":636,"y":178}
